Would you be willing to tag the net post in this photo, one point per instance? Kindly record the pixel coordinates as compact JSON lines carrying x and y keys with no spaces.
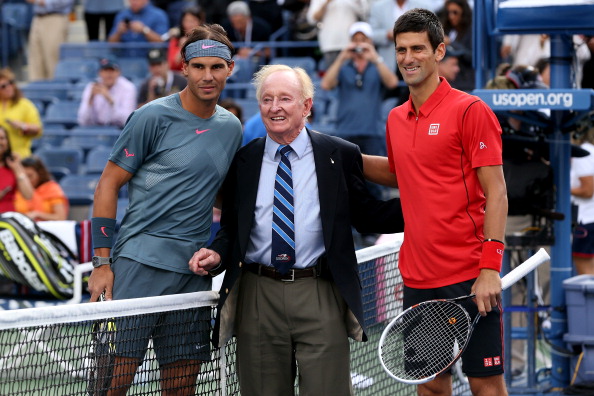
{"x":79,"y":270}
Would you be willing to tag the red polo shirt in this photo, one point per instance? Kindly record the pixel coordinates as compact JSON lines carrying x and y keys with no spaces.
{"x":434,"y":156}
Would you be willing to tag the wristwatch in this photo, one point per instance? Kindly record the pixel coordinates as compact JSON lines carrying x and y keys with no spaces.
{"x":99,"y":261}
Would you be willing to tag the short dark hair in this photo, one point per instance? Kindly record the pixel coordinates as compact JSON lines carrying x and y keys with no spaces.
{"x":230,"y":104}
{"x":37,"y":164}
{"x":419,"y":20}
{"x":207,"y":32}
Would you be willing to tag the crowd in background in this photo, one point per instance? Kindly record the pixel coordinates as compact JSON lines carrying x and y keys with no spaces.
{"x":348,"y":76}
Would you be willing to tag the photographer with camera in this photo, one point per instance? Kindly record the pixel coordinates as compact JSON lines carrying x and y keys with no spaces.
{"x":162,"y":81}
{"x":140,"y":22}
{"x":361,"y":78}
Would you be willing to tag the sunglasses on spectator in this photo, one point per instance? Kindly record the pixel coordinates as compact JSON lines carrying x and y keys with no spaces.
{"x":453,"y":12}
{"x":6,"y":84}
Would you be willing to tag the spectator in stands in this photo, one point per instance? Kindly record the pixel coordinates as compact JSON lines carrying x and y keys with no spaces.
{"x":215,"y":10}
{"x":49,"y":201}
{"x":543,"y":65}
{"x":582,"y":192}
{"x":96,"y":11}
{"x":141,"y":22}
{"x":162,"y":81}
{"x":12,"y":175}
{"x":191,"y":18}
{"x":335,"y":17}
{"x":588,"y":70}
{"x":233,"y":107}
{"x":457,"y":25}
{"x":449,"y":66}
{"x":382,"y":15}
{"x":269,"y":11}
{"x":49,"y":29}
{"x":359,"y":72}
{"x":18,"y":115}
{"x":173,"y":8}
{"x":525,"y":49}
{"x":300,"y":28}
{"x":241,"y":26}
{"x":110,"y":99}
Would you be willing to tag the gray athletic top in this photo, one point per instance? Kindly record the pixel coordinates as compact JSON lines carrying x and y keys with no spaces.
{"x":179,"y":162}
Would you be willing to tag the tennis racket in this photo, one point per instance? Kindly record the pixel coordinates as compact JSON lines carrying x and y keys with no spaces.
{"x":428,"y":338}
{"x":101,"y":356}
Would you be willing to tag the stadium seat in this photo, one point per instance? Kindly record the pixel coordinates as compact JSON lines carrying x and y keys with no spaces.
{"x":58,"y":172}
{"x":79,"y":189}
{"x":248,"y":105}
{"x":46,"y":91}
{"x":76,"y":69}
{"x":307,"y":63}
{"x":107,"y":134}
{"x":91,"y":49}
{"x":53,"y":135}
{"x":96,"y":160}
{"x":68,"y":157}
{"x":134,"y":68}
{"x":86,"y":143}
{"x":64,"y":112}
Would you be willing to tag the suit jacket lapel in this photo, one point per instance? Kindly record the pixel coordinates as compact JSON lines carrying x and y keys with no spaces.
{"x":248,"y":176}
{"x":328,"y":166}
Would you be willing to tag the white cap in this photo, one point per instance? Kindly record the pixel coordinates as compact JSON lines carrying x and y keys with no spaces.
{"x":362,"y":27}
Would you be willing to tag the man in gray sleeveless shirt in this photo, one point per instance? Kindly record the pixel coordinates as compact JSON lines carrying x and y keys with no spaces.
{"x":173,"y":153}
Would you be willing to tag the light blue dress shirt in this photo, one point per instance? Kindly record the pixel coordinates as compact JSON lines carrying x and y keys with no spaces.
{"x":309,"y":240}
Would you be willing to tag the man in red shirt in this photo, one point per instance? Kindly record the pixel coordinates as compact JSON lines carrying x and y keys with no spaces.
{"x":444,"y":147}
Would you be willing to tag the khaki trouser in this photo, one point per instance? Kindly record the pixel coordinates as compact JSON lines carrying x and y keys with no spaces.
{"x":280,"y":324}
{"x":47,"y":33}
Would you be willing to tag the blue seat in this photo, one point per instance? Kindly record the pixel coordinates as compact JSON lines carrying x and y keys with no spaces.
{"x":105,"y":135}
{"x":307,"y":63}
{"x":64,"y":112}
{"x":68,"y":157}
{"x":134,"y":68}
{"x":248,"y":105}
{"x":53,"y":135}
{"x":76,"y":69}
{"x":91,"y":49}
{"x":79,"y":189}
{"x":97,"y":159}
{"x":86,"y":143}
{"x":46,"y":91}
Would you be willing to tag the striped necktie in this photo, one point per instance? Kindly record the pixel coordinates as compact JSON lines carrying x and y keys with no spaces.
{"x":283,"y":226}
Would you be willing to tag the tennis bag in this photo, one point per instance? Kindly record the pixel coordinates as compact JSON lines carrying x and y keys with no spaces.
{"x":35,"y":258}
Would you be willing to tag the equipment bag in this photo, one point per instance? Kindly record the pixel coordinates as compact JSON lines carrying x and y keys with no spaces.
{"x":35,"y":258}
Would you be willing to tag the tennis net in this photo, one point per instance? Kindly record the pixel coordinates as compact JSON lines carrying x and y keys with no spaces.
{"x":68,"y":349}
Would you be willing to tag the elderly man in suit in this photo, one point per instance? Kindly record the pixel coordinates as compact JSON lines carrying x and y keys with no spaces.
{"x":291,"y":292}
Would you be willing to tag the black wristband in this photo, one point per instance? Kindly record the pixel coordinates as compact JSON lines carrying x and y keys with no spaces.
{"x":493,"y":240}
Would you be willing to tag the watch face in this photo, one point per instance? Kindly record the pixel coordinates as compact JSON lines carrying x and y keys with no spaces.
{"x":99,"y":261}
